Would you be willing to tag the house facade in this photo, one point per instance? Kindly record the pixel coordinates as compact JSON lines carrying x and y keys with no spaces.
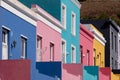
{"x":98,"y":46}
{"x":86,"y":46}
{"x":48,"y":37}
{"x":16,"y":25}
{"x":68,"y":13}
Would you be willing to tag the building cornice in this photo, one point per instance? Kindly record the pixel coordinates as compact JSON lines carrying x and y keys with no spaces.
{"x":99,"y":37}
{"x":86,"y":31}
{"x":20,"y":10}
{"x":27,"y":14}
{"x":77,"y":3}
{"x":46,"y":15}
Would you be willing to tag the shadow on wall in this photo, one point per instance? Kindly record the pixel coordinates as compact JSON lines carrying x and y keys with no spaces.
{"x":106,"y":71}
{"x":52,"y":69}
{"x":75,"y":69}
{"x":90,"y":72}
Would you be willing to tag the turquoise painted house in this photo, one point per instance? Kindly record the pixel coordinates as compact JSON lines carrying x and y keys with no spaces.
{"x":68,"y":13}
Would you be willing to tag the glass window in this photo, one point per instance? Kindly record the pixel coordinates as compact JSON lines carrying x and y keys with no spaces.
{"x":23,"y":47}
{"x":51,"y":52}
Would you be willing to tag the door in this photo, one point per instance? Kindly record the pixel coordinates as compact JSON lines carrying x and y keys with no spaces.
{"x":4,"y":44}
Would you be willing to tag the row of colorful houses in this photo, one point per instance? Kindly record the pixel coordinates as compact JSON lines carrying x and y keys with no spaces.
{"x":44,"y":39}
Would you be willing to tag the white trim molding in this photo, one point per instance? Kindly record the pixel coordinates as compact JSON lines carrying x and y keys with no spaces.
{"x":97,"y":35}
{"x":73,"y":24}
{"x":74,"y":61}
{"x":6,"y":27}
{"x":65,"y":16}
{"x":45,"y":17}
{"x":77,"y":3}
{"x":20,"y":10}
{"x":65,"y":54}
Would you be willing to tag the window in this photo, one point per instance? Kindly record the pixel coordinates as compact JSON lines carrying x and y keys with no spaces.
{"x":115,"y":44}
{"x":112,"y":63}
{"x":5,"y":44}
{"x":100,"y":59}
{"x":64,"y":16}
{"x":23,"y":47}
{"x":112,"y":39}
{"x":81,"y":51}
{"x":63,"y":51}
{"x":39,"y":42}
{"x":94,"y":57}
{"x":73,"y":55}
{"x":39,"y":49}
{"x":51,"y":52}
{"x":119,"y":47}
{"x":73,"y":24}
{"x":87,"y":55}
{"x":4,"y":36}
{"x":116,"y":64}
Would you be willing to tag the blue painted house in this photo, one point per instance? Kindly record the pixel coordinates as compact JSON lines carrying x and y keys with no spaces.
{"x":18,"y":39}
{"x":68,"y":13}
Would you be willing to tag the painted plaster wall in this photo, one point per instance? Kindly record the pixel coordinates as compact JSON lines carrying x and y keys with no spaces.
{"x":99,"y":49}
{"x":104,"y":73}
{"x":87,"y":44}
{"x":115,"y":76}
{"x":72,"y":72}
{"x":9,"y":68}
{"x":90,"y":73}
{"x":66,"y":34}
{"x":49,"y":35}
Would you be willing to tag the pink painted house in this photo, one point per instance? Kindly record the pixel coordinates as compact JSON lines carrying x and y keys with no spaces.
{"x":86,"y":46}
{"x":48,"y":37}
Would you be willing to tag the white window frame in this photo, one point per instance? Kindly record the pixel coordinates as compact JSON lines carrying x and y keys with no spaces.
{"x":73,"y":24}
{"x":5,"y":36}
{"x":63,"y":23}
{"x":64,"y":51}
{"x":5,"y":43}
{"x":23,"y":55}
{"x":73,"y":58}
{"x":53,"y":49}
{"x":39,"y":48}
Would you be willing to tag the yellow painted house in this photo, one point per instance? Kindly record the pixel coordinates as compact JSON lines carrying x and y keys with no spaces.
{"x":98,"y":46}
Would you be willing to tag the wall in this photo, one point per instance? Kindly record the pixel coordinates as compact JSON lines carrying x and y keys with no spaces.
{"x":12,"y":69}
{"x":115,"y":76}
{"x":72,"y":72}
{"x":87,"y":44}
{"x":105,"y":73}
{"x":51,"y":69}
{"x":99,"y":49}
{"x":49,"y":35}
{"x":90,"y":73}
